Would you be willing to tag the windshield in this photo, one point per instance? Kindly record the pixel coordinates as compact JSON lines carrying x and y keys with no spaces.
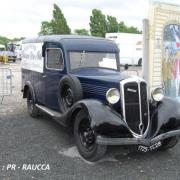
{"x":92,"y":59}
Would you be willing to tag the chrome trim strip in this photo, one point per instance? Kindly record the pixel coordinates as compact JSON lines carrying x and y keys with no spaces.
{"x":140,"y":108}
{"x":44,"y":109}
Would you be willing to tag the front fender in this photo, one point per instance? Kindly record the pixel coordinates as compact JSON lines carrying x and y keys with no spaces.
{"x":166,"y":117}
{"x":104,"y":120}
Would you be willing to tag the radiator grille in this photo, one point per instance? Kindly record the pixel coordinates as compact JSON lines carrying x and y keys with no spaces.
{"x":135,"y":105}
{"x":132,"y":111}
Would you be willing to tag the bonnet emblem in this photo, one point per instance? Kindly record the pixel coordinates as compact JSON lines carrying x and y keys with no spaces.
{"x":131,"y":90}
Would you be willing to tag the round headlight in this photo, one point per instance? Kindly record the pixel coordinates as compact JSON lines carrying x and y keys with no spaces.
{"x":157,"y":94}
{"x":112,"y":95}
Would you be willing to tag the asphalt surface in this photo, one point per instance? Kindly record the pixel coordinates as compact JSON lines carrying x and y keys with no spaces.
{"x":24,"y":140}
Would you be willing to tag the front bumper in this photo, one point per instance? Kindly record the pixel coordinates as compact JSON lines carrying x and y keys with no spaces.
{"x":136,"y":141}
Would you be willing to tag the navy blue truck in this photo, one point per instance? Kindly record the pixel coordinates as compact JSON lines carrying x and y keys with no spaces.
{"x":77,"y":81}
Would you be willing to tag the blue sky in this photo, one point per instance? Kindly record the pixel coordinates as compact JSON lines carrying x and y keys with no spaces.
{"x":23,"y":18}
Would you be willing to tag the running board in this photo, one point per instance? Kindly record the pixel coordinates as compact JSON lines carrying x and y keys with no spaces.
{"x":57,"y":116}
{"x":52,"y":113}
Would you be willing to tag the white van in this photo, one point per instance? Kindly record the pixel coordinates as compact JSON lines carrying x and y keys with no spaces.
{"x":130,"y":46}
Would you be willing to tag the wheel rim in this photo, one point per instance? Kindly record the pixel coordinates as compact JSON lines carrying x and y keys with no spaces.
{"x":67,"y":97}
{"x":86,"y":135}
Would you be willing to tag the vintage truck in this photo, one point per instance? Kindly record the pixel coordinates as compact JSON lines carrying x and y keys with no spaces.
{"x":77,"y":81}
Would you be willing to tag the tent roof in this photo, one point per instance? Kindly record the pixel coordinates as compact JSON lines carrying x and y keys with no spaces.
{"x":2,"y":46}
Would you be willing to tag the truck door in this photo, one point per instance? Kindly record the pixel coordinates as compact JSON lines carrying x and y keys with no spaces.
{"x":54,"y":70}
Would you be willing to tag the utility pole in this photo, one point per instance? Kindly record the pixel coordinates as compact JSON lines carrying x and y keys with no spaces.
{"x":145,"y":64}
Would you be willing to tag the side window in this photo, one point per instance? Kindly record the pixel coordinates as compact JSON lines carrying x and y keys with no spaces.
{"x":54,"y":59}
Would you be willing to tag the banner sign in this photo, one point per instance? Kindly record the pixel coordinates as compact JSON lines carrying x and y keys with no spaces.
{"x":32,"y":57}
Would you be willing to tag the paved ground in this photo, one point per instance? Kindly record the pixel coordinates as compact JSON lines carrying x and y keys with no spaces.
{"x":24,"y":140}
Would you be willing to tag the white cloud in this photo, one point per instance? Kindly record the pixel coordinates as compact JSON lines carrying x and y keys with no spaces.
{"x":23,"y":18}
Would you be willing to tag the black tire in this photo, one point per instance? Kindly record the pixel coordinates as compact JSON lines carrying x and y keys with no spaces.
{"x":32,"y":109}
{"x":70,"y":91}
{"x":140,"y":62}
{"x":168,"y":143}
{"x":86,"y":143}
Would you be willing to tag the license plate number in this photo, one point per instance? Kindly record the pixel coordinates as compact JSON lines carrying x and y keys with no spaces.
{"x":149,"y":148}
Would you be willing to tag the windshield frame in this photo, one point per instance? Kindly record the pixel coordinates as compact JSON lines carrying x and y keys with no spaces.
{"x":80,"y":51}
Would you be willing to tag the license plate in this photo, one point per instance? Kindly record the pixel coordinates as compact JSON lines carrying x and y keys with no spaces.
{"x":149,"y":148}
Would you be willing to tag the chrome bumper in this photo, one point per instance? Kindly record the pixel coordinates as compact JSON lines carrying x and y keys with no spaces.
{"x":136,"y":141}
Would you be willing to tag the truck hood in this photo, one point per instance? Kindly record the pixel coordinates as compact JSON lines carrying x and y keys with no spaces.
{"x":99,"y":74}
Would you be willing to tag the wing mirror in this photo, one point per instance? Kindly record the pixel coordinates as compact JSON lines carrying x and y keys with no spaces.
{"x":126,"y":67}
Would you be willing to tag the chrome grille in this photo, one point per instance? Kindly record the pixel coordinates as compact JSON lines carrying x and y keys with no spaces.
{"x":135,"y":105}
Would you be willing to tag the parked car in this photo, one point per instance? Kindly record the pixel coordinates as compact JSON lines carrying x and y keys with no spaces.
{"x":10,"y":56}
{"x":68,"y":78}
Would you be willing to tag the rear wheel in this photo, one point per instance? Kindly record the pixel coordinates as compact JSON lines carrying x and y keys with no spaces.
{"x":85,"y":138}
{"x":168,"y":143}
{"x":32,"y":109}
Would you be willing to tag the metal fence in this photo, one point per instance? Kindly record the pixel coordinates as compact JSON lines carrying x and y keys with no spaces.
{"x":5,"y":83}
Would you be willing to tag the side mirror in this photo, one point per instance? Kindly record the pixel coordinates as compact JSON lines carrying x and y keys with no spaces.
{"x":126,"y":67}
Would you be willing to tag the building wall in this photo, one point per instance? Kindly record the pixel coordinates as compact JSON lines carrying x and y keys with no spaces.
{"x":160,"y":15}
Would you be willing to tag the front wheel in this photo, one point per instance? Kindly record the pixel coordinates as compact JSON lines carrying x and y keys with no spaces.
{"x":85,"y":138}
{"x":168,"y":143}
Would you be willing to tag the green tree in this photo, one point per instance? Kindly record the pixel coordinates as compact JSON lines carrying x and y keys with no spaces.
{"x":112,"y":24}
{"x":81,"y":31}
{"x":97,"y":23}
{"x":100,"y":25}
{"x":58,"y":24}
{"x":4,"y":40}
{"x":122,"y":27}
{"x":126,"y":29}
{"x":46,"y":28}
{"x":133,"y":30}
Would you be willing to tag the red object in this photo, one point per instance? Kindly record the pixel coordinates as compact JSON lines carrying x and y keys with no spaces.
{"x":176,"y":69}
{"x":178,"y":44}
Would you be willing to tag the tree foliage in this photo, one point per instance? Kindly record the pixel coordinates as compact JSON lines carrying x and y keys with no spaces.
{"x":5,"y":40}
{"x":97,"y":23}
{"x":112,"y":24}
{"x":122,"y":27}
{"x":46,"y":28}
{"x":101,"y":24}
{"x":58,"y":24}
{"x":81,"y":31}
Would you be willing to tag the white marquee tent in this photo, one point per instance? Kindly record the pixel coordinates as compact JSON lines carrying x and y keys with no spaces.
{"x":2,"y":46}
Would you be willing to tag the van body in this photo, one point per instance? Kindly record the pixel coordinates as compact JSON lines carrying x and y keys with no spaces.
{"x":76,"y":81}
